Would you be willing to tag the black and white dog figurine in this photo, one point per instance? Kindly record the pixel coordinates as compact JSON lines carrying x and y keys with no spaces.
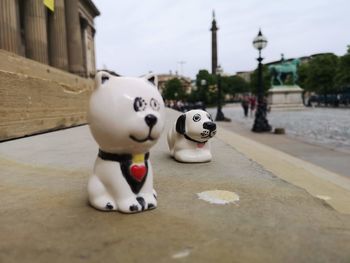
{"x":188,"y":139}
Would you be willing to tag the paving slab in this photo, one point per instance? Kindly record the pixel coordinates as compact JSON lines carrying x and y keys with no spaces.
{"x":45,"y":217}
{"x":310,"y":137}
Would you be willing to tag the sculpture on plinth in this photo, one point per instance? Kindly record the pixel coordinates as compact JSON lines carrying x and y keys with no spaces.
{"x":283,"y":69}
{"x":285,"y":92}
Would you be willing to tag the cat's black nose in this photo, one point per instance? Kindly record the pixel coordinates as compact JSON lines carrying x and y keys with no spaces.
{"x":151,"y":120}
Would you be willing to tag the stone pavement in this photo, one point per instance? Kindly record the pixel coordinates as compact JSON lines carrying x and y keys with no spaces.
{"x":44,"y":215}
{"x":329,"y":158}
{"x":321,"y":126}
{"x":305,"y":139}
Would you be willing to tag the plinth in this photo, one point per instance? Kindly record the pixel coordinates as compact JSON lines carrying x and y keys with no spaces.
{"x":285,"y":97}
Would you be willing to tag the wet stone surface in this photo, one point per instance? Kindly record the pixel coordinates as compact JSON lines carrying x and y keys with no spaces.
{"x":323,"y":126}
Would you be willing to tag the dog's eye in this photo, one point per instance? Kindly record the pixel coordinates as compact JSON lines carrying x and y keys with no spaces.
{"x":139,"y":104}
{"x":154,"y":104}
{"x":196,"y":117}
{"x":209,"y":117}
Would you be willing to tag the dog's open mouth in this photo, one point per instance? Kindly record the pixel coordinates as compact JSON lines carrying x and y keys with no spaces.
{"x":148,"y":138}
{"x":208,"y":134}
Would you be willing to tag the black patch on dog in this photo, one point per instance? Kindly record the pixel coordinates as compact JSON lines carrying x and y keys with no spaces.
{"x":180,"y":124}
{"x":133,"y":208}
{"x":155,"y":196}
{"x":109,"y":206}
{"x":141,"y":202}
{"x":125,"y":161}
{"x":151,"y":206}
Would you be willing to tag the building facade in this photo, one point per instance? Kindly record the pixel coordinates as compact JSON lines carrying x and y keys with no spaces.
{"x":47,"y":61}
{"x":60,"y":35}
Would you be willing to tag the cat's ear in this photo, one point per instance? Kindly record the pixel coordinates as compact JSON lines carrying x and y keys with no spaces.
{"x":101,"y":78}
{"x":152,"y":78}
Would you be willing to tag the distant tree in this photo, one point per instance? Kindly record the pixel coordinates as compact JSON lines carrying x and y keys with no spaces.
{"x":343,"y":72}
{"x":174,"y":90}
{"x":205,"y":92}
{"x":303,"y":72}
{"x":208,"y":92}
{"x":321,"y":74}
{"x":266,"y":80}
{"x":234,"y":84}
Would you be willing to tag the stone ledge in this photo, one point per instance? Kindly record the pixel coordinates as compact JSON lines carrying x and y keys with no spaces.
{"x":284,"y":89}
{"x":289,"y":107}
{"x":35,"y":98}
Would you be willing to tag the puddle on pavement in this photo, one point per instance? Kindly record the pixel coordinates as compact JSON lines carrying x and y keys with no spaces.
{"x":218,"y":197}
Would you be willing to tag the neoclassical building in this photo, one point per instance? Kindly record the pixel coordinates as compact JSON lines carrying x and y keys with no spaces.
{"x":60,"y":35}
{"x":47,"y":61}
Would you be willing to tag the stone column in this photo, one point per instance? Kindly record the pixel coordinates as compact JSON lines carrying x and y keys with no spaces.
{"x":214,"y":46}
{"x":10,"y":37}
{"x":58,"y":52}
{"x":35,"y":31}
{"x":74,"y":38}
{"x":93,"y":53}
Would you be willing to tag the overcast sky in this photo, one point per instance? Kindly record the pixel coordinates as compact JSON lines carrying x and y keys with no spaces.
{"x":134,"y":37}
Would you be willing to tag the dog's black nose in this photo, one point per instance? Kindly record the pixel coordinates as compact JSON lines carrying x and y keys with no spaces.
{"x":211,"y":126}
{"x":151,"y":120}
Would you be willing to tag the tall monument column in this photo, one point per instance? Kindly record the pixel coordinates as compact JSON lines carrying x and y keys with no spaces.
{"x":35,"y":31}
{"x":9,"y":27}
{"x":214,"y":48}
{"x":74,"y":38}
{"x":58,"y":37}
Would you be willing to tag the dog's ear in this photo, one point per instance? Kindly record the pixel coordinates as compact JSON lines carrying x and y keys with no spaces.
{"x":180,"y":124}
{"x":101,"y":78}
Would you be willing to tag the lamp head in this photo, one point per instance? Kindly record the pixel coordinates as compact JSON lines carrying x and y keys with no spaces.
{"x":219,"y":70}
{"x":260,"y":42}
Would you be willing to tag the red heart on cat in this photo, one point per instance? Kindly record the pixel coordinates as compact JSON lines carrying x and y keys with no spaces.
{"x":138,"y":171}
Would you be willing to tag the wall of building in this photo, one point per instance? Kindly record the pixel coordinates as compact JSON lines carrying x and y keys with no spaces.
{"x":246,"y":75}
{"x":62,"y":38}
{"x":35,"y":97}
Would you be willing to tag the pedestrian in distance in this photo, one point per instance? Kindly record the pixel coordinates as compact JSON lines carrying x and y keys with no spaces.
{"x":252,"y":102}
{"x":245,"y":105}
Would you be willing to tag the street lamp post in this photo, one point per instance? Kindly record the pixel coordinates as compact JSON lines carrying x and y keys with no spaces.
{"x":202,"y":92}
{"x":220,"y":115}
{"x":260,"y":123}
{"x":203,"y":83}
